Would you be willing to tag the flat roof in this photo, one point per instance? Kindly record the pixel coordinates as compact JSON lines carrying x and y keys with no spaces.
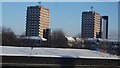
{"x":54,"y":52}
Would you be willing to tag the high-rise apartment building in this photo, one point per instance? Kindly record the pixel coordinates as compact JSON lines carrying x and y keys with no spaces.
{"x":37,"y":19}
{"x":104,"y":27}
{"x":90,"y":24}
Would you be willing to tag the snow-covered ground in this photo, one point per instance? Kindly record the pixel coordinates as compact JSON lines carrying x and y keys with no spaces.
{"x":54,"y":52}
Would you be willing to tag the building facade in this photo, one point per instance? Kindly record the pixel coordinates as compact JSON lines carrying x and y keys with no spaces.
{"x":104,"y":27}
{"x":37,"y":19}
{"x":47,"y":34}
{"x":90,"y":24}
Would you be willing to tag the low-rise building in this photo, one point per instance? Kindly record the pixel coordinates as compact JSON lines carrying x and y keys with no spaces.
{"x":71,"y":41}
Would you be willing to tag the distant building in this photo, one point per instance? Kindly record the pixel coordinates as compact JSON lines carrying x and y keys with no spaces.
{"x":70,"y":41}
{"x":37,"y":19}
{"x":33,"y":40}
{"x":47,"y":34}
{"x":99,"y":41}
{"x":104,"y":27}
{"x":90,"y":24}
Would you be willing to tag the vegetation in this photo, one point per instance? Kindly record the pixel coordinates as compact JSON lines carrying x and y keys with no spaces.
{"x":10,"y":39}
{"x":58,"y":39}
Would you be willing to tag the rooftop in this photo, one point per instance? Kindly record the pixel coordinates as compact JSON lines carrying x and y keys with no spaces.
{"x":54,"y":52}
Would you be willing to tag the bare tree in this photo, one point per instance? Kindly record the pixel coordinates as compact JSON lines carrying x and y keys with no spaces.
{"x":10,"y":39}
{"x":78,"y":35}
{"x":8,"y":36}
{"x":58,"y":39}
